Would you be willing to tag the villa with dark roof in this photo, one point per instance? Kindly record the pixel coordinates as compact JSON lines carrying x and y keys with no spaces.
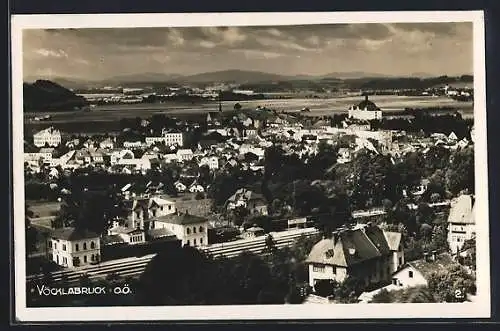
{"x":366,"y":110}
{"x":364,"y":251}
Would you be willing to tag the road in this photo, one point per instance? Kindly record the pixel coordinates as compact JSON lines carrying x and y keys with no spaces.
{"x":136,"y":265}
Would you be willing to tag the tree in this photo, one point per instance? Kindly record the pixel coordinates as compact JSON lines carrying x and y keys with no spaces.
{"x":452,"y":284}
{"x":324,"y":287}
{"x":30,"y":231}
{"x":349,"y":290}
{"x":270,"y":246}
{"x":460,"y":173}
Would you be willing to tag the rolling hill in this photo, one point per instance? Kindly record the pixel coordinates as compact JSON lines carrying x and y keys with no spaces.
{"x":47,"y":95}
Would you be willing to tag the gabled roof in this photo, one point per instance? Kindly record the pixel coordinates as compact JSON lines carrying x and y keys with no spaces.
{"x":72,"y":234}
{"x":377,"y":237}
{"x":181,"y":218}
{"x":426,"y":268}
{"x":160,"y":233}
{"x":462,"y":210}
{"x":393,"y":240}
{"x":350,"y":247}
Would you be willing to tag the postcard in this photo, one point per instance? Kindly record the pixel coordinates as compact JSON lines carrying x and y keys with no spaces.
{"x":250,"y":166}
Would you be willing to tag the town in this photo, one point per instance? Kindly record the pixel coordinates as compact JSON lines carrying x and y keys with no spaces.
{"x":257,"y":206}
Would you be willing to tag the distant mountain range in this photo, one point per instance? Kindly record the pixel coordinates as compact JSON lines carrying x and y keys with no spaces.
{"x":224,"y":76}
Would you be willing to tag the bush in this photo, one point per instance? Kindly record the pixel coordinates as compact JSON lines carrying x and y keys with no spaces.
{"x":382,"y":297}
{"x":199,"y":196}
{"x":324,"y":287}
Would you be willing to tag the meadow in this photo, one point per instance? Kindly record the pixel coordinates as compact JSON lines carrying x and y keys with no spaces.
{"x":106,"y":118}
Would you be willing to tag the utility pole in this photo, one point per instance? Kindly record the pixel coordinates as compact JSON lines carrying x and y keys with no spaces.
{"x":220,"y":101}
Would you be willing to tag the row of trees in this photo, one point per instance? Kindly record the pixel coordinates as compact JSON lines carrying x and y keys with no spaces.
{"x":277,"y":277}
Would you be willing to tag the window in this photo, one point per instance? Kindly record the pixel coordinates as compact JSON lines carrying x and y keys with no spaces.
{"x":201,"y":241}
{"x":188,"y":243}
{"x":194,"y":242}
{"x":318,"y":268}
{"x":194,"y":229}
{"x":201,"y":229}
{"x":410,"y":274}
{"x":188,"y":230}
{"x":92,"y":258}
{"x":131,"y":239}
{"x":394,"y":281}
{"x":50,"y":243}
{"x":84,"y":246}
{"x":64,"y":247}
{"x":55,"y":245}
{"x":85,"y":259}
{"x":77,"y":248}
{"x":334,"y":269}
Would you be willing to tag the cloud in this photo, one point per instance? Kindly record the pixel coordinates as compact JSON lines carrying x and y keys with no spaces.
{"x":301,"y":49}
{"x":207,"y":44}
{"x":257,"y":54}
{"x":175,"y":36}
{"x":51,"y":53}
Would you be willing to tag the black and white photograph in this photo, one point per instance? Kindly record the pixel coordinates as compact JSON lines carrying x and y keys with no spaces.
{"x":250,"y":166}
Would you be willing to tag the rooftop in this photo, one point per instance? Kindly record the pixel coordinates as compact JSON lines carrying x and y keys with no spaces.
{"x":181,"y":219}
{"x":350,"y":246}
{"x":426,"y":268}
{"x":462,"y":210}
{"x":72,"y":234}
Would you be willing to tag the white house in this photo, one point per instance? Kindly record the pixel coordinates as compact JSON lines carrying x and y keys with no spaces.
{"x":180,"y":187}
{"x":395,"y":242}
{"x":184,"y":154}
{"x":49,"y":136}
{"x":118,"y":154}
{"x":153,"y":140}
{"x":365,"y":110}
{"x":344,"y":155}
{"x":133,"y":144}
{"x":211,"y":161}
{"x":107,"y":144}
{"x":190,"y":229}
{"x":137,"y":164}
{"x":131,"y":236}
{"x":193,"y":188}
{"x":70,"y":247}
{"x":461,"y":222}
{"x":417,"y":273}
{"x":173,"y":138}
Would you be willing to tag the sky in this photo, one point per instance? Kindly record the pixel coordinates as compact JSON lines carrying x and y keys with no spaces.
{"x":389,"y":49}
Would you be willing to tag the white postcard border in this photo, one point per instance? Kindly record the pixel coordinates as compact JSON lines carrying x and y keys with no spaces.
{"x":479,"y":309}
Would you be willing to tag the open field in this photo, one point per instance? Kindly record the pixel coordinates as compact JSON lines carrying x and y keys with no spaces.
{"x":105,"y":118}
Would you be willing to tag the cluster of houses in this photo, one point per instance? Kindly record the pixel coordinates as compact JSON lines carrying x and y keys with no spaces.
{"x":375,"y":256}
{"x":149,"y":219}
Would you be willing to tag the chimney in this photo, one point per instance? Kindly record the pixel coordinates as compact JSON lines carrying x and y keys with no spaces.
{"x":433,"y":255}
{"x":426,"y":257}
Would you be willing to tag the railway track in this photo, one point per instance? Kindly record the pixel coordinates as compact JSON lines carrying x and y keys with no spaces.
{"x":135,"y":267}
